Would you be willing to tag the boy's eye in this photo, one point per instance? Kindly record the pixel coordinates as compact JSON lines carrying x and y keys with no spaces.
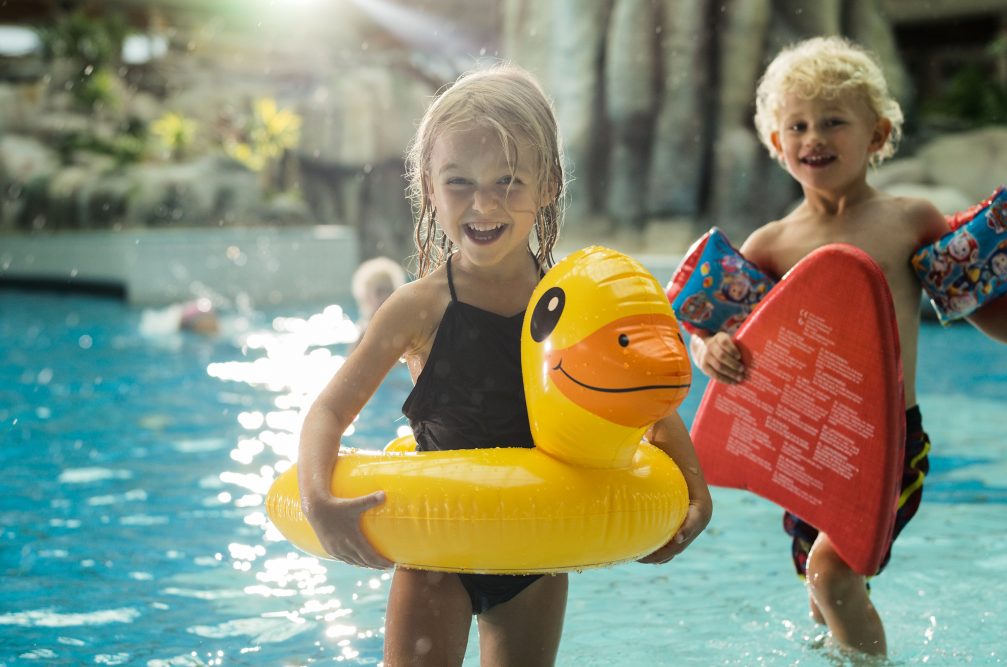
{"x":797,"y":127}
{"x":509,"y":180}
{"x":457,"y":180}
{"x":834,"y":122}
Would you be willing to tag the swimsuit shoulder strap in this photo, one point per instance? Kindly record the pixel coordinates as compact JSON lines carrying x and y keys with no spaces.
{"x":451,"y":284}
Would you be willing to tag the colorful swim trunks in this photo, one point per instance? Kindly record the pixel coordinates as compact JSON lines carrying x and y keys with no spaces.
{"x":914,"y":470}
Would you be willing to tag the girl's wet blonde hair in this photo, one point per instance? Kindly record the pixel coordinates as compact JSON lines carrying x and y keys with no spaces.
{"x":508,"y":101}
{"x":825,"y":67}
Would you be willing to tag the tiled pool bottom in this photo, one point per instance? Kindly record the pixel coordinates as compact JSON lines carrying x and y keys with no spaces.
{"x":131,"y":528}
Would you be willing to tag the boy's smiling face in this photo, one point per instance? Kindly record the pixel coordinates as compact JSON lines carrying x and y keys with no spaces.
{"x":827,"y":143}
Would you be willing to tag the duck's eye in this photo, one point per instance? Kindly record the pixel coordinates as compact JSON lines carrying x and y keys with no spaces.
{"x":546,"y":314}
{"x":624,"y":340}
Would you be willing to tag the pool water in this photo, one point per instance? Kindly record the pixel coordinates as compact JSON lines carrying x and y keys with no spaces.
{"x":134,"y":464}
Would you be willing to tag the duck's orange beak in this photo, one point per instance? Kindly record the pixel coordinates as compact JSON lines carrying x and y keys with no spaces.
{"x":632,"y":371}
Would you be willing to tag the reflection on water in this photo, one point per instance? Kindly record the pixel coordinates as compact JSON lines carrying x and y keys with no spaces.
{"x":132,"y":528}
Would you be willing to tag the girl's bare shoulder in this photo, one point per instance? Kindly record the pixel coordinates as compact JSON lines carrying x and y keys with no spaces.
{"x":415,"y":309}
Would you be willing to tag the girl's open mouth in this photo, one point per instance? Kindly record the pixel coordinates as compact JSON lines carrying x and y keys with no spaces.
{"x":484,"y":233}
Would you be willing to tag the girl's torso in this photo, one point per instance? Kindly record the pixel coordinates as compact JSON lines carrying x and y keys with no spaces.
{"x":468,"y":389}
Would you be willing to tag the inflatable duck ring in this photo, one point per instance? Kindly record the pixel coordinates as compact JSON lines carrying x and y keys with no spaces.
{"x":602,"y":360}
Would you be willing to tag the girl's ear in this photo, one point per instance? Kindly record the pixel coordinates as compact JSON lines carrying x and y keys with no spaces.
{"x":549,"y":193}
{"x":428,"y":188}
{"x":882,"y":129}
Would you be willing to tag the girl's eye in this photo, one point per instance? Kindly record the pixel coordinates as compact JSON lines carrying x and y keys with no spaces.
{"x":457,"y":180}
{"x":834,"y":122}
{"x":509,"y":180}
{"x":797,"y":127}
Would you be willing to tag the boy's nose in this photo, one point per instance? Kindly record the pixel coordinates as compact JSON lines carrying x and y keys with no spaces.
{"x":813,"y":139}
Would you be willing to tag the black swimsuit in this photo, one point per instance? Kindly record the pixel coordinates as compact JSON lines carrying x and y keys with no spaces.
{"x":470,"y":395}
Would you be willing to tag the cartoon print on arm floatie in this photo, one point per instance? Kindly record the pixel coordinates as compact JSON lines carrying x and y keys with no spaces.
{"x":602,"y":359}
{"x":967,"y":267}
{"x":714,"y":288}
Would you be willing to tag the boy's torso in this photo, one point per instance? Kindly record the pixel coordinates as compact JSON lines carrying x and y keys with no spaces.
{"x":884,"y":228}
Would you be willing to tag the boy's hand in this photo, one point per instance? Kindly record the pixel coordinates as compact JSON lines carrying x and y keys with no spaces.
{"x":695,"y":521}
{"x":336,"y":521}
{"x":719,"y":358}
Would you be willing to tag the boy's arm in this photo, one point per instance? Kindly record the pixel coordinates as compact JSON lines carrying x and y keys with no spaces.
{"x":717,"y":356}
{"x":991,"y":319}
{"x":670,"y":435}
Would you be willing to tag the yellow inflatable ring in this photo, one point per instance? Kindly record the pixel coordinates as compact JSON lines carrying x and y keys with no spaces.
{"x":602,"y":360}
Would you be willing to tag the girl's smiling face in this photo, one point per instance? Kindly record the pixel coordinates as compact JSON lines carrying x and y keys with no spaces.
{"x":827,"y":143}
{"x":485,"y":197}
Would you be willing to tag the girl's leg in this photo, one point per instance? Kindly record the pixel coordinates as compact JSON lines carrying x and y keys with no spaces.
{"x":840,"y":594}
{"x":428,"y":619}
{"x":525,"y":631}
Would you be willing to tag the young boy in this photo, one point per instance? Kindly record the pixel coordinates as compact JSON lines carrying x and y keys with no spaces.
{"x":824,"y":112}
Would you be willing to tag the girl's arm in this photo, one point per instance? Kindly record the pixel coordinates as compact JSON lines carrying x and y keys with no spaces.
{"x":336,"y":521}
{"x":670,"y":435}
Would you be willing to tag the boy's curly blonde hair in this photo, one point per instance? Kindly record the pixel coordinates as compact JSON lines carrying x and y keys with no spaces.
{"x":825,"y":67}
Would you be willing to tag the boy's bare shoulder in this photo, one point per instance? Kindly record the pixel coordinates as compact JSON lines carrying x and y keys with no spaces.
{"x":920,"y":215}
{"x":758,"y":247}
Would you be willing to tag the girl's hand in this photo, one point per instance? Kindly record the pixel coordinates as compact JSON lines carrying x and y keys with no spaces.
{"x":696,"y":518}
{"x":336,"y":521}
{"x":719,"y":358}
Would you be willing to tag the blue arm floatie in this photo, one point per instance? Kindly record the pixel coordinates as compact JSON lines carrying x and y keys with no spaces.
{"x":714,"y":288}
{"x":967,"y":267}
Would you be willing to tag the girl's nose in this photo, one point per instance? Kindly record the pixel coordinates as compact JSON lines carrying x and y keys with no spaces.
{"x":485,"y":200}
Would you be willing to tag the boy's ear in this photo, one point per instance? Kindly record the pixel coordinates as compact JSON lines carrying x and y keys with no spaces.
{"x":775,"y":138}
{"x":882,"y":129}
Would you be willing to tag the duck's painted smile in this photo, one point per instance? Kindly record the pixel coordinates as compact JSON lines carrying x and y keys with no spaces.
{"x":618,"y":390}
{"x":632,"y":371}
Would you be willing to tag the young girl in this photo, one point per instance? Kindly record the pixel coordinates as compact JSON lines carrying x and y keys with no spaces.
{"x":486,"y":180}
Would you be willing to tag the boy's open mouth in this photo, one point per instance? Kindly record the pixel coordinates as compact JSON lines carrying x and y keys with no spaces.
{"x":818,"y":160}
{"x":484,"y":232}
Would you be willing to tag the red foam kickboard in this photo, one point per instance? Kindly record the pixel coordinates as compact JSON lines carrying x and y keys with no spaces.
{"x":818,"y":425}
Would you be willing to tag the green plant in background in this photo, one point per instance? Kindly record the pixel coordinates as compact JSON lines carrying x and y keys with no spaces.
{"x":97,"y":90}
{"x":94,"y":46}
{"x":974,"y":97}
{"x":90,"y":41}
{"x":175,"y":132}
{"x":271,"y":132}
{"x":123,"y":148}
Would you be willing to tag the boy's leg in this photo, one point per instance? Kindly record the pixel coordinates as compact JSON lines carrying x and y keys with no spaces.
{"x":525,"y":631}
{"x":840,"y":594}
{"x":428,"y":619}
